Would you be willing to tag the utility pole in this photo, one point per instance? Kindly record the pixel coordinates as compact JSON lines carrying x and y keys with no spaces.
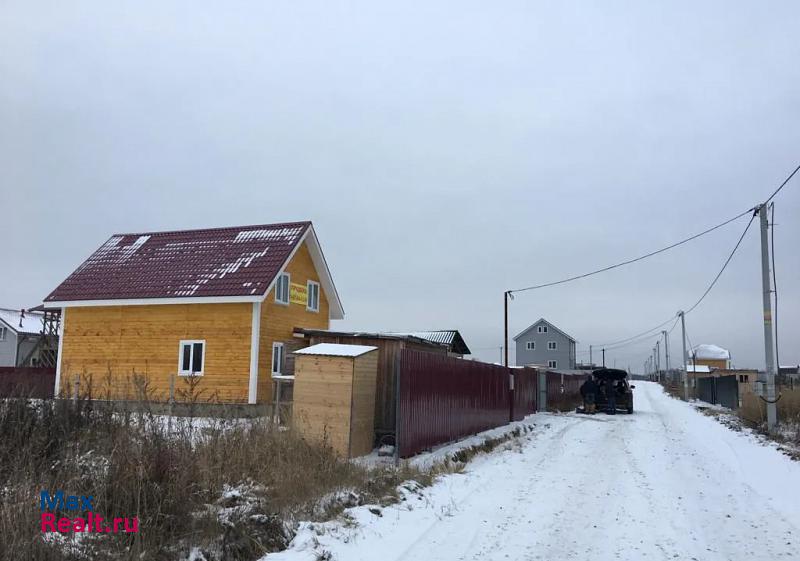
{"x":590,"y":355}
{"x":604,"y":358}
{"x":658,"y":359}
{"x":685,"y":365}
{"x":666,"y":352}
{"x":506,"y":294}
{"x":769,"y":347}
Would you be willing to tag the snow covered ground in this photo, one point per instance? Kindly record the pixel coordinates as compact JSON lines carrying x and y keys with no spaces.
{"x":664,"y":483}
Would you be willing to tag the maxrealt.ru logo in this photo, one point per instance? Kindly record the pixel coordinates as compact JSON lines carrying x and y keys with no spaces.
{"x":61,"y":502}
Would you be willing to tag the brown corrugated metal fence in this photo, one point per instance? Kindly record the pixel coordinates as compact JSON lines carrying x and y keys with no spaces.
{"x":444,"y":398}
{"x":27,"y":382}
{"x":563,"y":389}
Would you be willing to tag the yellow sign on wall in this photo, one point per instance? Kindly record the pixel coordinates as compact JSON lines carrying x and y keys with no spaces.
{"x":298,"y":294}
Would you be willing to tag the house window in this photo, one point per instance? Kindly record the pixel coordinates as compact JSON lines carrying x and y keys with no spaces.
{"x":744,"y":378}
{"x":2,"y":333}
{"x":552,"y":346}
{"x":552,"y":364}
{"x":312,"y":303}
{"x":282,"y":288}
{"x":541,"y":329}
{"x":192,"y":358}
{"x":278,"y":355}
{"x":530,"y":345}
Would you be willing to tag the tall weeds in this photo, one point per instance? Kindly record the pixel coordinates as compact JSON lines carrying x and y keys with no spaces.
{"x":229,"y":487}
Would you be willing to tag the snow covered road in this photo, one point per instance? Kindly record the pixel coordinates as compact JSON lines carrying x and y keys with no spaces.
{"x":664,"y":483}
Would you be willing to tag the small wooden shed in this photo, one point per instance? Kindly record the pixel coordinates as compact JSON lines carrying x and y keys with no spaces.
{"x":389,"y":349}
{"x":334,"y":396}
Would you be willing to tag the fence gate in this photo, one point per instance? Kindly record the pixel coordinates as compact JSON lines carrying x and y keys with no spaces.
{"x":541,"y":401}
{"x":723,"y":390}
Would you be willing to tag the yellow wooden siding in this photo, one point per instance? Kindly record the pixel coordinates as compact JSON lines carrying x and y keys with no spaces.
{"x":322,"y":400}
{"x":279,"y":320}
{"x":362,"y":422}
{"x":145,"y":340}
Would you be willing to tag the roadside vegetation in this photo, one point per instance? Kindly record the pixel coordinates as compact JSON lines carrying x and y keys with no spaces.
{"x":213,"y":489}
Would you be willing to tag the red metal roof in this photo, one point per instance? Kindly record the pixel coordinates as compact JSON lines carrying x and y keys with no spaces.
{"x":239,"y":261}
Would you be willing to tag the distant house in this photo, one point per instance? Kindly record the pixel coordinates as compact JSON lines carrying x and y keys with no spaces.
{"x":711,"y":356}
{"x":544,"y":344}
{"x":449,"y":337}
{"x":216,"y":306}
{"x":20,"y":331}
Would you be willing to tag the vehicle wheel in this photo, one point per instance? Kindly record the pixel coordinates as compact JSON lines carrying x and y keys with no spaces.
{"x":630,"y":410}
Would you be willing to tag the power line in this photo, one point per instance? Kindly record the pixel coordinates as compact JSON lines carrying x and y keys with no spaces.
{"x":728,"y":260}
{"x":634,"y":260}
{"x":652,"y":331}
{"x":791,"y":175}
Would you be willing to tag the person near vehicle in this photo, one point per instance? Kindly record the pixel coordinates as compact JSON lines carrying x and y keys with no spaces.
{"x":589,"y":394}
{"x":611,"y":396}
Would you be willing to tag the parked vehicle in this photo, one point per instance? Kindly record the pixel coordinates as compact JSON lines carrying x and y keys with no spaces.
{"x":614,"y":380}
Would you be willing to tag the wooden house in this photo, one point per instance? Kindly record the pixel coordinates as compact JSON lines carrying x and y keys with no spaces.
{"x":217,"y":307}
{"x":334,"y":396}
{"x":711,"y":356}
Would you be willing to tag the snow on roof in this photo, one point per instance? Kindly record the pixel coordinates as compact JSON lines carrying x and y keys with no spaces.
{"x":334,"y":349}
{"x":711,"y":352}
{"x":698,"y":368}
{"x":213,"y":262}
{"x":31,"y":323}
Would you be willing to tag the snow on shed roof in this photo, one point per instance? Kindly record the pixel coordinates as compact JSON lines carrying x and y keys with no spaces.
{"x":218,"y":262}
{"x":711,"y":352}
{"x":31,"y":324}
{"x":334,"y":349}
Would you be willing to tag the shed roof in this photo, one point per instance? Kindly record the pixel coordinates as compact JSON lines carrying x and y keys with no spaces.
{"x":334,"y":349}
{"x":29,"y":323}
{"x":450,"y":337}
{"x":303,"y":331}
{"x":236,"y":262}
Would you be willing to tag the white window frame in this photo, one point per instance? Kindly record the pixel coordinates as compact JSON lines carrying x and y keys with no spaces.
{"x":552,"y":345}
{"x":3,"y":330}
{"x":530,"y":346}
{"x":282,"y":362}
{"x":309,"y":285}
{"x":552,"y":364}
{"x":288,"y":278}
{"x":191,"y":343}
{"x":541,"y":329}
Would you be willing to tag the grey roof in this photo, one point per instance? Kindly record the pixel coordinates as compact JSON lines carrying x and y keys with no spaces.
{"x":450,"y":337}
{"x":542,"y":320}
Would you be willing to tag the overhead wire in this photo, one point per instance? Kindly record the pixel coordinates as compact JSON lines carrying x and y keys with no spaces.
{"x":634,"y":260}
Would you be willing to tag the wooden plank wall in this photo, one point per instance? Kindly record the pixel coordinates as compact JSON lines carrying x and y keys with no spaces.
{"x":386,"y":383}
{"x":279,"y":320}
{"x":323,"y":400}
{"x":362,"y":420}
{"x":108,"y":345}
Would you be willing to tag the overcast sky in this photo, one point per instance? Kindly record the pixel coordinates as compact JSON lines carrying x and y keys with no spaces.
{"x":445,"y":151}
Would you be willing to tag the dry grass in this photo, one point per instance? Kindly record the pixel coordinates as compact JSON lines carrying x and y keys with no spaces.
{"x":231,"y":488}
